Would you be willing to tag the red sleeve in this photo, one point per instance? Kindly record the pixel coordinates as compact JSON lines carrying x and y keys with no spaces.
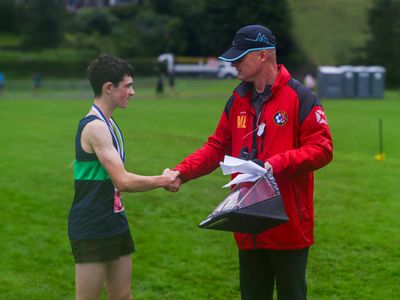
{"x":207,"y":158}
{"x":315,"y":151}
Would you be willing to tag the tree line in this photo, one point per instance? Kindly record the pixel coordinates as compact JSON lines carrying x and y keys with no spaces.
{"x":186,"y":28}
{"x":383,"y":47}
{"x":182,"y":27}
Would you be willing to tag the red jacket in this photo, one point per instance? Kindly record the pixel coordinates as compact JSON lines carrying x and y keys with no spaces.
{"x":296,"y":141}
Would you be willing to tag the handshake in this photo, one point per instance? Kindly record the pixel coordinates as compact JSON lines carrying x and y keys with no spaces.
{"x":171,"y":181}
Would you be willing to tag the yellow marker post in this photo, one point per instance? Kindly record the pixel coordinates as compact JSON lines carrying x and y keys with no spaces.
{"x":380,"y":156}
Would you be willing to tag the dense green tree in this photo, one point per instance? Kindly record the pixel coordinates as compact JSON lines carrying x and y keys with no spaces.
{"x":173,"y":41}
{"x":7,"y":15}
{"x":124,"y":12}
{"x":42,"y":23}
{"x":182,"y":35}
{"x":225,"y":17}
{"x":208,"y":26}
{"x":148,"y":34}
{"x":383,"y":48}
{"x":183,"y":27}
{"x":162,"y":6}
{"x":99,"y":21}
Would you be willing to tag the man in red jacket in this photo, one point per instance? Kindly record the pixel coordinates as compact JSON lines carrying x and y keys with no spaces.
{"x":273,"y":118}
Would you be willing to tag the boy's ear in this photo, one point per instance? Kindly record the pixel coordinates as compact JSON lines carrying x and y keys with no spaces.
{"x":107,"y":86}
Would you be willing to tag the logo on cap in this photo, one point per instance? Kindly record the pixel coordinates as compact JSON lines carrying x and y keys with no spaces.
{"x":247,"y":39}
{"x":280,"y":118}
{"x":260,"y":38}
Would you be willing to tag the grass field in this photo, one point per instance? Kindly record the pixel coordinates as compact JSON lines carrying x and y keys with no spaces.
{"x":357,"y":249}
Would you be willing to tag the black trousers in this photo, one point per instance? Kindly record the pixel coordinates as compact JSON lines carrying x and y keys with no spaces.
{"x":260,"y":269}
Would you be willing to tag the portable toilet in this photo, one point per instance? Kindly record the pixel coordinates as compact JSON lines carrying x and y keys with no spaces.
{"x":362,"y":82}
{"x":377,"y":81}
{"x":330,"y":82}
{"x":349,"y":81}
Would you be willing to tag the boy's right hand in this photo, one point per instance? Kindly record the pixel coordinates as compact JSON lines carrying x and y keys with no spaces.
{"x":172,"y":180}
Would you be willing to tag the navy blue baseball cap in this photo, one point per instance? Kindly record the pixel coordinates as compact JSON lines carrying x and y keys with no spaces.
{"x":247,"y":39}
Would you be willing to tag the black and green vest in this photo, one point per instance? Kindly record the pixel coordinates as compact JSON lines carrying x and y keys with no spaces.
{"x":92,"y":212}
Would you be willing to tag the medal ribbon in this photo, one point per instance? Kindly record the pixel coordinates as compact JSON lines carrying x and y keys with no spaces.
{"x":114,"y":130}
{"x":119,"y":140}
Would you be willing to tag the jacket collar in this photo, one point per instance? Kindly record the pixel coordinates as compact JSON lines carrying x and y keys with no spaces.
{"x":281,"y":80}
{"x":245,"y":90}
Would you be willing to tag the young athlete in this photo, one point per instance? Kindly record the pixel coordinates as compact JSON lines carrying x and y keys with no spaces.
{"x":97,"y":226}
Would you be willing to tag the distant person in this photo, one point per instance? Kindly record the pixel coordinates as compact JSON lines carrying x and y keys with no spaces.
{"x":273,"y":118}
{"x":97,"y":224}
{"x":171,"y":80}
{"x":37,"y":81}
{"x":2,"y":82}
{"x":160,"y":84}
{"x":309,"y":81}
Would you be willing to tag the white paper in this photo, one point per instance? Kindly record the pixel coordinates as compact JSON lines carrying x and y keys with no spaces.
{"x":242,"y":178}
{"x":232,"y":165}
{"x":250,"y":170}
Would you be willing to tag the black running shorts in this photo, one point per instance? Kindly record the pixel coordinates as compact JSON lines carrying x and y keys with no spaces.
{"x":102,"y":250}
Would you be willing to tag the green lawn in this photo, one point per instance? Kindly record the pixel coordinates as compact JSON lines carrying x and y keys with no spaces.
{"x":357,"y":249}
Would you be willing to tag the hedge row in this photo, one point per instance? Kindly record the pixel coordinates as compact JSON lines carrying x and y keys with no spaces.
{"x":66,"y":68}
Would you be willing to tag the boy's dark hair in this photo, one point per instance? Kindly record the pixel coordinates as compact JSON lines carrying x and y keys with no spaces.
{"x":107,"y":68}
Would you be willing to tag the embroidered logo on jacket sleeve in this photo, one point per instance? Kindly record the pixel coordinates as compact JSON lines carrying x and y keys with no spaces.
{"x":321,"y":118}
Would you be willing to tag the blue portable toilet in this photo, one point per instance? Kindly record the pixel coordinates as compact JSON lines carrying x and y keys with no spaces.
{"x":362,"y":82}
{"x":349,"y":81}
{"x":377,"y":81}
{"x":330,"y":82}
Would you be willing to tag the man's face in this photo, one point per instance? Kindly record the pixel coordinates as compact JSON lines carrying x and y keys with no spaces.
{"x":248,"y":67}
{"x":123,"y":92}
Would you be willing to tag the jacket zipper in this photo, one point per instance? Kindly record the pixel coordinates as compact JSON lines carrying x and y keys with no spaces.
{"x":261,"y":149}
{"x":254,"y":135}
{"x":265,"y":122}
{"x":263,"y":139}
{"x":298,"y":208}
